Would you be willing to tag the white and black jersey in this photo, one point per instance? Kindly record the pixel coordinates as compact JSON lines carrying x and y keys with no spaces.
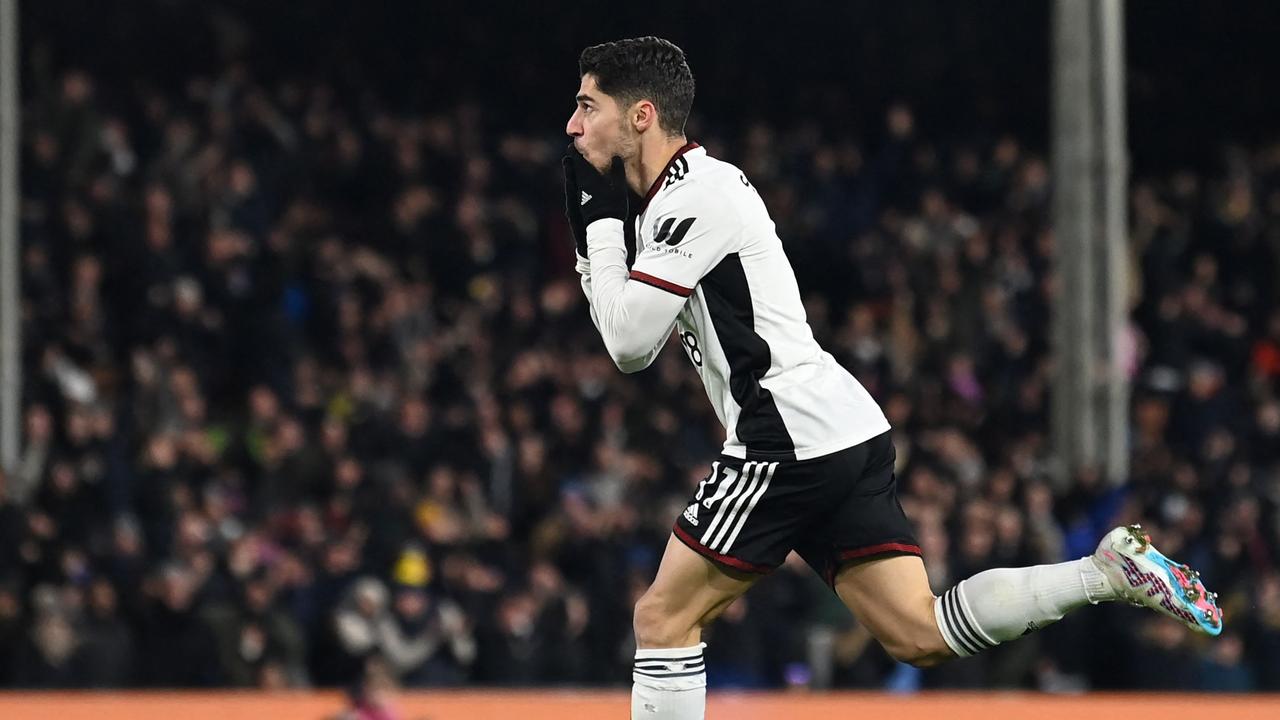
{"x":709,"y":264}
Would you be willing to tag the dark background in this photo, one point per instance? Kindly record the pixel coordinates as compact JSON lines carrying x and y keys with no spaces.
{"x":1199,"y":73}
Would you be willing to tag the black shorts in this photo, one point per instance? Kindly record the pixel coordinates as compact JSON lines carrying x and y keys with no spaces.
{"x":834,"y":509}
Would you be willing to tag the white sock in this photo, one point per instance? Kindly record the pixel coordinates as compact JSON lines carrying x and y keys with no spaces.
{"x":669,"y":684}
{"x":1004,"y":604}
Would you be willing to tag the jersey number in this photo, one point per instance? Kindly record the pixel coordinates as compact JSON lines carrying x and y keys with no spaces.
{"x":690,"y":342}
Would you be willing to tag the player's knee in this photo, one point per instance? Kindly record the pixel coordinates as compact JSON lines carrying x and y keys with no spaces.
{"x":922,"y":649}
{"x":659,"y":626}
{"x":915,"y":654}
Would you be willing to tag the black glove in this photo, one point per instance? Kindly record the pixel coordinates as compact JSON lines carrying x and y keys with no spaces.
{"x":590,"y":196}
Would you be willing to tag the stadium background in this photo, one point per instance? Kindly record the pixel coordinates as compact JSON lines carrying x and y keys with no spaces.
{"x":312,"y":399}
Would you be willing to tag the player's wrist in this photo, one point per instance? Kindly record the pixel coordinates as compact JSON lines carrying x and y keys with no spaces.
{"x":605,"y":226}
{"x":606,"y":234}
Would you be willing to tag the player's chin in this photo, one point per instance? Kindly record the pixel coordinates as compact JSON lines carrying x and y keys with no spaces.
{"x":593,"y":158}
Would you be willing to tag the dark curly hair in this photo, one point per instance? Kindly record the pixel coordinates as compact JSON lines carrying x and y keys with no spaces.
{"x":646,"y":68}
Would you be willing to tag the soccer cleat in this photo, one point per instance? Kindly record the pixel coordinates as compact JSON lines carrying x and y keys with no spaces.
{"x":1143,"y":576}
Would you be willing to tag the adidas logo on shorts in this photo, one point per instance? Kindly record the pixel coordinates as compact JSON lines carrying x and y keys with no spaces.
{"x":691,"y":514}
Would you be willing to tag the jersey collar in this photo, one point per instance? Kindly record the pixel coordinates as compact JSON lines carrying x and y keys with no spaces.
{"x":657,"y":184}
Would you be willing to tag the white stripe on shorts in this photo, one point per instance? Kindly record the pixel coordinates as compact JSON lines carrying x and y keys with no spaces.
{"x":740,"y":499}
{"x":768,"y":475}
{"x":738,"y":481}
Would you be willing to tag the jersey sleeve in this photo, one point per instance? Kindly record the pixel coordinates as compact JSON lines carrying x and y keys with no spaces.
{"x":634,"y":319}
{"x":635,"y":311}
{"x":693,"y":229}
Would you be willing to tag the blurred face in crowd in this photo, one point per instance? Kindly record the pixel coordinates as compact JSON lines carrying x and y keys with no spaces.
{"x":102,"y":598}
{"x":601,"y":128}
{"x":9,"y":606}
{"x":411,"y":603}
{"x":55,"y":638}
{"x":177,"y":590}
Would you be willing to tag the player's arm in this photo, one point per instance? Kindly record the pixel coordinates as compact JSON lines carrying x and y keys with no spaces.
{"x":635,"y":309}
{"x":633,"y":330}
{"x":584,"y":271}
{"x":634,"y":319}
{"x":626,"y":361}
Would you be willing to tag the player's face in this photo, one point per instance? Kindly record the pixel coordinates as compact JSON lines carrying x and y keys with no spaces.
{"x":598,"y":126}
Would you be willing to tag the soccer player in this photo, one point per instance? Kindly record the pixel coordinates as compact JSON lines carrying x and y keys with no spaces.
{"x":808,"y":460}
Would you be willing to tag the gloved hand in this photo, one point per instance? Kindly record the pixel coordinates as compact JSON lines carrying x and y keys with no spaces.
{"x":591,"y":196}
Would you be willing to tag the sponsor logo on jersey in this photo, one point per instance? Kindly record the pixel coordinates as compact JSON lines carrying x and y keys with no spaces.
{"x":671,"y":232}
{"x":667,"y":233}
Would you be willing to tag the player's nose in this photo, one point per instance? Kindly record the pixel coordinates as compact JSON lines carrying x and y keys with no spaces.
{"x":574,"y":127}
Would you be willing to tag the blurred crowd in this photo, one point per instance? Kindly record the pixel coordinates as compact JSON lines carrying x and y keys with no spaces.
{"x":311,"y":386}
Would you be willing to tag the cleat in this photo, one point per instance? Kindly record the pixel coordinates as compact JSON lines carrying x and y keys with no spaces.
{"x":1143,"y":576}
{"x":1137,"y":538}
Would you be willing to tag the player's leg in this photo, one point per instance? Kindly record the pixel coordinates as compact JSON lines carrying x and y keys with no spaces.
{"x":737,"y":527}
{"x":891,"y":597}
{"x":689,"y":592}
{"x":871,"y":568}
{"x":864,"y":546}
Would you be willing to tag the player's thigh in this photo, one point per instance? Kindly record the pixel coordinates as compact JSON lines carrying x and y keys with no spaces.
{"x":688,"y":593}
{"x":892,"y":598}
{"x":863,"y":519}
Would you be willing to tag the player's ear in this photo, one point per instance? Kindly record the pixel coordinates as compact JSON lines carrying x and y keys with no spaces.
{"x":644,"y":115}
